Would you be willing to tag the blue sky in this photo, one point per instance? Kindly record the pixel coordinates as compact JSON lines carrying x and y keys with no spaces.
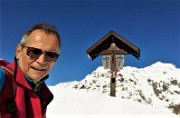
{"x":153,"y":26}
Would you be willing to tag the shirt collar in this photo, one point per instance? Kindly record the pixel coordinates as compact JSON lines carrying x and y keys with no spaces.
{"x":35,"y":85}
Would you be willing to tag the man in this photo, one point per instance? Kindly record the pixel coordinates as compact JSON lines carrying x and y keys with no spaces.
{"x":24,"y":79}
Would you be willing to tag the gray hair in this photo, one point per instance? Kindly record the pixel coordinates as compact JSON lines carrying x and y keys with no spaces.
{"x":43,"y":26}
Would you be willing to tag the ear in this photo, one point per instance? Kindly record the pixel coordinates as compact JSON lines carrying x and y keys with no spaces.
{"x":18,"y":51}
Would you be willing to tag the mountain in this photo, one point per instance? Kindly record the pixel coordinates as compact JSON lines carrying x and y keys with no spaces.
{"x":153,"y":91}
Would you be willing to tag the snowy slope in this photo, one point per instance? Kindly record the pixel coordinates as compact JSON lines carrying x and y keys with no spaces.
{"x":146,"y":92}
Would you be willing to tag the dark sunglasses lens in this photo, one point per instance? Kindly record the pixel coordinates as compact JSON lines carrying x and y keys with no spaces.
{"x":34,"y":52}
{"x":50,"y":56}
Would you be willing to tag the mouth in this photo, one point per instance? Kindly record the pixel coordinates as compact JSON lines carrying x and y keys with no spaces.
{"x":38,"y":69}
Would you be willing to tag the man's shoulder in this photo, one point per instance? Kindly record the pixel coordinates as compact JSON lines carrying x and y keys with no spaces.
{"x":2,"y":78}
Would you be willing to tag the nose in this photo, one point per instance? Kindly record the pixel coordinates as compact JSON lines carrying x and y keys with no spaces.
{"x":41,"y":59}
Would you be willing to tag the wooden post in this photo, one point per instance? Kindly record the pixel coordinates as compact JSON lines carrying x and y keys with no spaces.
{"x":113,"y":87}
{"x":113,"y":77}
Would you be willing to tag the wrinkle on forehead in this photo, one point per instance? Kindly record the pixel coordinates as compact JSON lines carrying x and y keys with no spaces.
{"x":43,"y":40}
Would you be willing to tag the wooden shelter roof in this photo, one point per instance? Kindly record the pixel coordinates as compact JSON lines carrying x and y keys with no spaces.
{"x":123,"y":46}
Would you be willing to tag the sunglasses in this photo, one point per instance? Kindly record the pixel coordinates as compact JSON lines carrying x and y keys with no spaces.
{"x":35,"y":53}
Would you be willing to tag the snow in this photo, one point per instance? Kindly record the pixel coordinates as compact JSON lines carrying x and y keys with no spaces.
{"x":140,"y":92}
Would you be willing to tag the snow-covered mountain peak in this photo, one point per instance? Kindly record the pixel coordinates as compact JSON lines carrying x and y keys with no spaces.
{"x":157,"y":84}
{"x":163,"y":67}
{"x":154,"y":84}
{"x":160,"y":64}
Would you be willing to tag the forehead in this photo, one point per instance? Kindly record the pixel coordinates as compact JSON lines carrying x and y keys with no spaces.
{"x":41,"y":39}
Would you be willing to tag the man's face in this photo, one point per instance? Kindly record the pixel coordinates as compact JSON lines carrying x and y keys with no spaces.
{"x":37,"y":68}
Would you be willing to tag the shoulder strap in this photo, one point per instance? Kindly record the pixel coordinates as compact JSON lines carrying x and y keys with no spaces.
{"x":11,"y":104}
{"x":9,"y":73}
{"x":3,"y":62}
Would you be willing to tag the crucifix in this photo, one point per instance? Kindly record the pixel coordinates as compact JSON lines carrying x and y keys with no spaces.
{"x":112,"y":61}
{"x":112,"y":47}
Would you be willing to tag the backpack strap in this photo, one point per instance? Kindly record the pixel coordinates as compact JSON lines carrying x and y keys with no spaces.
{"x":9,"y":73}
{"x":11,"y":104}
